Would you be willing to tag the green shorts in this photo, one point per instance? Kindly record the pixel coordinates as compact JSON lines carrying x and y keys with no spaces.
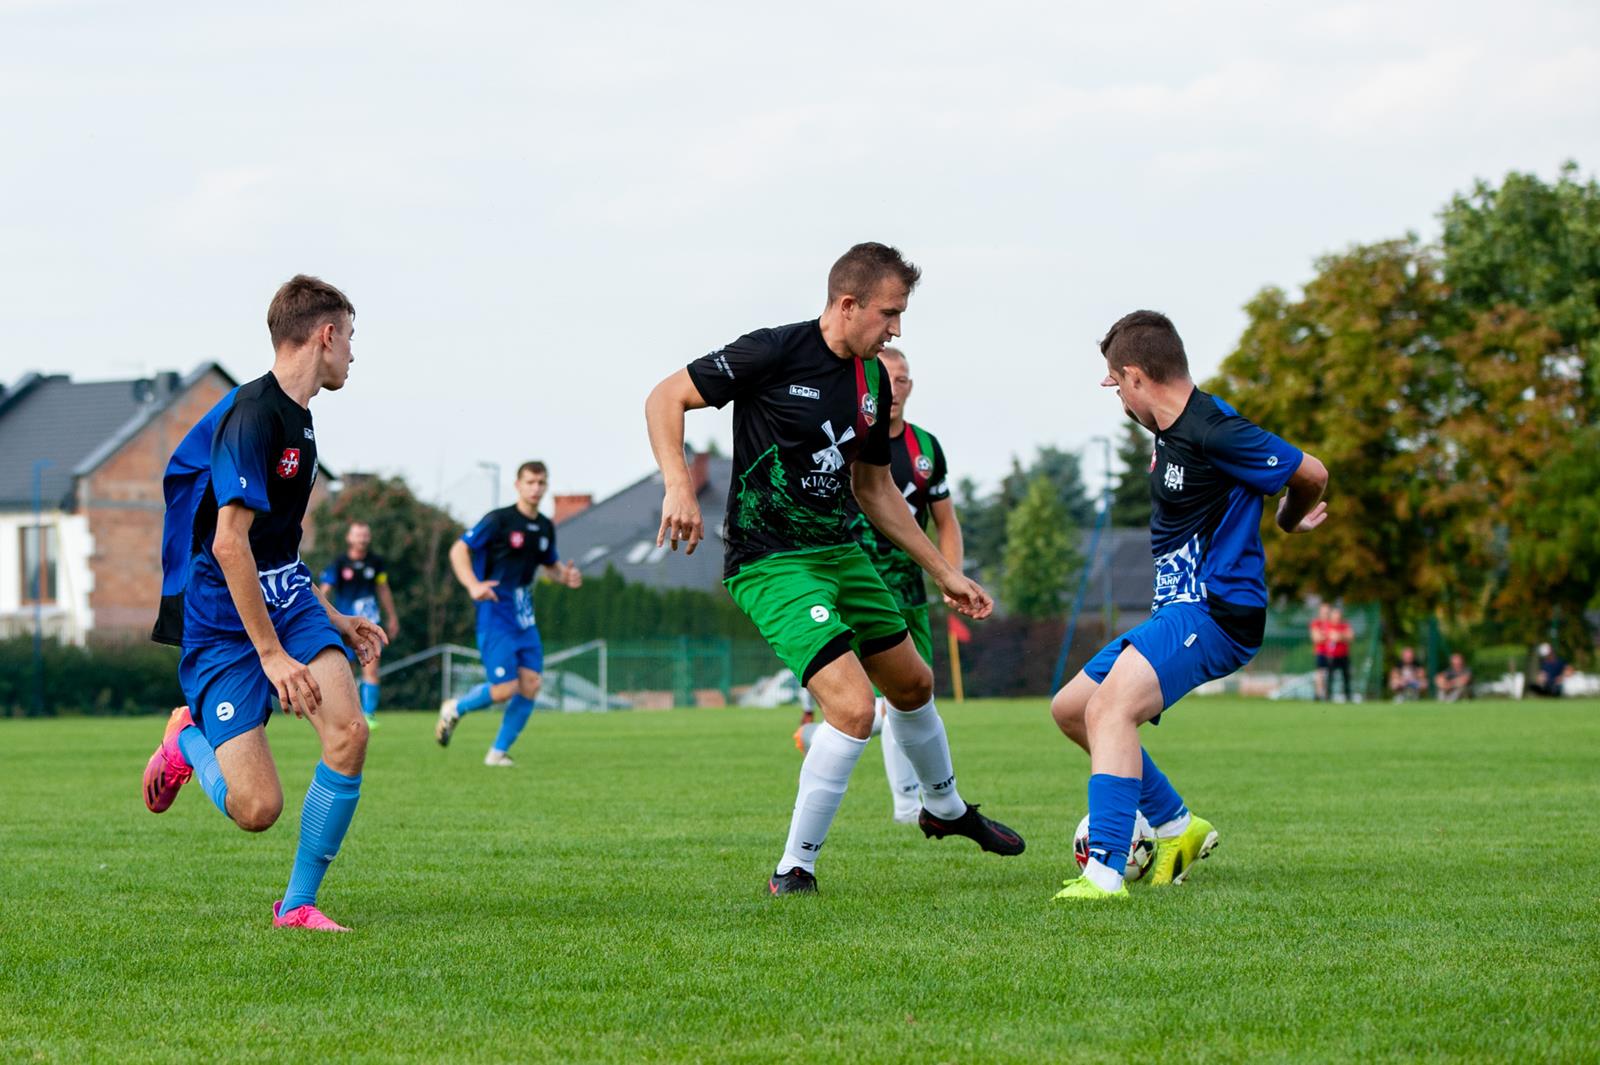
{"x":815,"y":605}
{"x":916,"y":619}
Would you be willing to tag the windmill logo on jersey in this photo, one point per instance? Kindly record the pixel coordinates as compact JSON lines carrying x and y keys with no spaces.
{"x":289,"y":462}
{"x":830,"y":459}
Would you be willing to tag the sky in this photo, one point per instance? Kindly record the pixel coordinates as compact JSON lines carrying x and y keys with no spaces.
{"x":541,"y":210}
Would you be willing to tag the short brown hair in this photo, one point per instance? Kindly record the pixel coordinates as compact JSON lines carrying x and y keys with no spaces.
{"x":533,"y":466}
{"x":302,"y":304}
{"x":1148,"y":340}
{"x":859,"y":270}
{"x":894,"y":353}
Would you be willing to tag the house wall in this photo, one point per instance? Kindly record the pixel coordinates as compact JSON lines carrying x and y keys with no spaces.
{"x":69,"y":617}
{"x":123,"y":503}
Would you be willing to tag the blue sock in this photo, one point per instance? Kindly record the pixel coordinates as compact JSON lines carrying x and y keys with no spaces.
{"x":477,"y":698}
{"x":1113,"y":803}
{"x":518,"y":710}
{"x":369,"y":698}
{"x":330,"y":803}
{"x":197,"y":750}
{"x":1158,"y":800}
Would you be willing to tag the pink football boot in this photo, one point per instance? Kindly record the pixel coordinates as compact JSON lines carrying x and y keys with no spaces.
{"x":308,"y":917}
{"x":167,"y":770}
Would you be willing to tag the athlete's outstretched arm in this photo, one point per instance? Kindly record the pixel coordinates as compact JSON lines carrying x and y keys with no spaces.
{"x":461,"y":566}
{"x":1301,"y":509}
{"x":669,"y":401}
{"x":886,"y":508}
{"x":948,"y":527}
{"x":563,"y":573}
{"x":297,"y":689}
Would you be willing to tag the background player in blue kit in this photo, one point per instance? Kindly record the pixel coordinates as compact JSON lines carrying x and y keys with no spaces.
{"x":238,"y":600}
{"x":496,"y":561}
{"x":357,"y":584}
{"x":1209,"y":470}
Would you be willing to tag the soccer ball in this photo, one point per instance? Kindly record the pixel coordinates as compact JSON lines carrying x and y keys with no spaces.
{"x":1141,"y":852}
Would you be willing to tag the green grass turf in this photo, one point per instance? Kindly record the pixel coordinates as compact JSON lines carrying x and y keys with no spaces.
{"x":1393,"y":882}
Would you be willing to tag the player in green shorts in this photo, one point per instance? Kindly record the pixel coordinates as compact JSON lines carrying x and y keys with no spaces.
{"x":810,"y":435}
{"x":917,"y":467}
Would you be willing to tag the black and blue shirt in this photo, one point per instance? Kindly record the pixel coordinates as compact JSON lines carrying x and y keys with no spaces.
{"x":354,"y":583}
{"x":1208,"y":473}
{"x":257,"y":448}
{"x":509,"y":547}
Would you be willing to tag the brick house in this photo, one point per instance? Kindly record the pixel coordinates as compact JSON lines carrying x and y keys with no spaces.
{"x":89,"y":456}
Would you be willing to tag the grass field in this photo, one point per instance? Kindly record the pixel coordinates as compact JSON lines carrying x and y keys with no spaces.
{"x":1392,"y":883}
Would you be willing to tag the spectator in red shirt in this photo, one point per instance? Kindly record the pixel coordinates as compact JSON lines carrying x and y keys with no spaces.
{"x":1340,"y":635}
{"x":1319,"y":644}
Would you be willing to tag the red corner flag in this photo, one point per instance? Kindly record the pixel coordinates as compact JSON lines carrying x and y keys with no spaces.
{"x":959,"y":630}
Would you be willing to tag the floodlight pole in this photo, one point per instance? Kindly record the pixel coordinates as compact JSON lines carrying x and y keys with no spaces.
{"x":494,"y":482}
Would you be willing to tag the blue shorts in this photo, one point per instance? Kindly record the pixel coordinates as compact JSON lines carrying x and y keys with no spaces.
{"x":1183,"y":643}
{"x":228,"y":692}
{"x":505,"y":650}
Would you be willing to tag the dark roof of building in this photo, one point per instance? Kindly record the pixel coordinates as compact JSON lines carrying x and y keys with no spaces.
{"x":71,"y":426}
{"x":1127,"y":553}
{"x":620,"y":531}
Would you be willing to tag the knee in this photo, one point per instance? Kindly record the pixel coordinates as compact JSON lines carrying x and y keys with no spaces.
{"x":1067,"y":712}
{"x":854,"y":719}
{"x":1101,"y":710}
{"x":911,"y":691}
{"x":344,"y":746}
{"x":528,"y":687}
{"x":255,"y":813}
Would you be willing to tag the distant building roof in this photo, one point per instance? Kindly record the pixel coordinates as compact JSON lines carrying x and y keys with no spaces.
{"x":621,"y":531}
{"x":1127,"y":553}
{"x":72,"y":425}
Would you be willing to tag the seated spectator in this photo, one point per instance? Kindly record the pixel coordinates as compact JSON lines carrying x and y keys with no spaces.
{"x":1407,"y":680}
{"x":1553,"y":673}
{"x":1454,"y":681}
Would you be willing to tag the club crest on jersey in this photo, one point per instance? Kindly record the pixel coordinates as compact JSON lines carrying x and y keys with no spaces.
{"x":1152,"y":468}
{"x":518,"y":538}
{"x":1174,"y":478}
{"x":347,"y":574}
{"x":869,"y":409}
{"x":289,"y":462}
{"x":924,"y":464}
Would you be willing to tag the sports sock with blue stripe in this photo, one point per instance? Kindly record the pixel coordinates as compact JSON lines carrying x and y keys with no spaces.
{"x":197,"y":751}
{"x":1159,"y":801}
{"x":369,"y":698}
{"x":518,"y":710}
{"x":477,"y":698}
{"x":325,"y":818}
{"x":1113,"y":806}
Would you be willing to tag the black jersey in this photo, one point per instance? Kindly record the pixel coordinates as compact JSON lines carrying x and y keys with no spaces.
{"x":354,"y":584}
{"x":917,"y":466}
{"x":1208,"y":473}
{"x":256,"y":448}
{"x":801,"y":415}
{"x":509,"y":547}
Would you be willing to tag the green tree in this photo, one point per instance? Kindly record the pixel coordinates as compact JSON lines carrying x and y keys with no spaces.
{"x":1130,"y":499}
{"x":1040,"y":555}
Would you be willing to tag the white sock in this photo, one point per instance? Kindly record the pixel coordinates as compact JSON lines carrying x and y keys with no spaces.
{"x":1103,"y":876}
{"x":824,"y":775}
{"x":880,"y":710}
{"x":903,"y":784}
{"x":920,"y":734}
{"x":1174,"y":828}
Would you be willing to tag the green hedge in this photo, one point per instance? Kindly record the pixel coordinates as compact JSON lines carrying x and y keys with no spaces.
{"x":135,"y":678}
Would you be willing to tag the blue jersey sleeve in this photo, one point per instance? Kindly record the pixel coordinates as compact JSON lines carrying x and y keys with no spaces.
{"x":479,"y":535}
{"x":1251,"y":455}
{"x":240,"y":457}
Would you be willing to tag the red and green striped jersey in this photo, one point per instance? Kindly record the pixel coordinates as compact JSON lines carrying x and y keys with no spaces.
{"x":801,"y":416}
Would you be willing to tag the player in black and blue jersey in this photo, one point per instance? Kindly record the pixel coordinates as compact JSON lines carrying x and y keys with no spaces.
{"x":1210,"y":469}
{"x":238,"y":600}
{"x":496,"y":561}
{"x":357,"y":583}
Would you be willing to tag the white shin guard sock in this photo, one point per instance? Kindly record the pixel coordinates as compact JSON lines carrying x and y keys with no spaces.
{"x":903,"y":784}
{"x":920,"y":734}
{"x":824,"y":775}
